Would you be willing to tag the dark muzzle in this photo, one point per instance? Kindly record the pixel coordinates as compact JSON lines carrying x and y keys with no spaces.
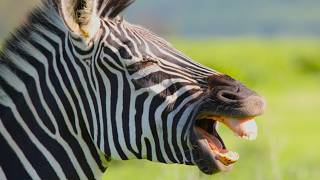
{"x":228,"y":97}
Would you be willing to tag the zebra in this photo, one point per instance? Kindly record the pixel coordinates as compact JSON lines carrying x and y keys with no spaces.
{"x":81,"y":87}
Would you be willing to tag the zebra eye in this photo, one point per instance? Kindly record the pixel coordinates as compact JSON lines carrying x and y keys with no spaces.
{"x":87,"y":61}
{"x":145,"y":62}
{"x":149,"y":59}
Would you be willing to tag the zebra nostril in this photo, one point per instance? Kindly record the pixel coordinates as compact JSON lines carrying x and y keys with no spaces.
{"x":228,"y":96}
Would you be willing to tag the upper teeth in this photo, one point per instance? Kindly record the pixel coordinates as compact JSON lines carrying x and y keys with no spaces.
{"x":246,"y":129}
{"x":249,"y":130}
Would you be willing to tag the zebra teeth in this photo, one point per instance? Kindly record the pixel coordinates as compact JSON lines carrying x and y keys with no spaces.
{"x":243,"y":128}
{"x":228,"y":158}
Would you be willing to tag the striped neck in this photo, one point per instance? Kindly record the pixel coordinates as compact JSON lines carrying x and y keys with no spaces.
{"x":45,"y":67}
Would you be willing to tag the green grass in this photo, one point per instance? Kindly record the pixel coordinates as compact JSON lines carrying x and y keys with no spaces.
{"x":287,"y":73}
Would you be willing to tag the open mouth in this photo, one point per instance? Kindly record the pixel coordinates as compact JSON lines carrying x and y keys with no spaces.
{"x":212,"y":154}
{"x":230,"y":103}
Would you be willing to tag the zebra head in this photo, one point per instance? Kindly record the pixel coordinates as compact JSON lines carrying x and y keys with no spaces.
{"x":154,"y":102}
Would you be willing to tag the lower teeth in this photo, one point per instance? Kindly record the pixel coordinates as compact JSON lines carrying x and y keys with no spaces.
{"x":224,"y":156}
{"x":228,"y":158}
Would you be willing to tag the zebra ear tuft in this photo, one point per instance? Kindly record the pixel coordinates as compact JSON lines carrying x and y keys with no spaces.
{"x":80,"y":17}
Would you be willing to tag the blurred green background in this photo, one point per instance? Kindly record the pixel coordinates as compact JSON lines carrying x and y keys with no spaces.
{"x":271,"y":46}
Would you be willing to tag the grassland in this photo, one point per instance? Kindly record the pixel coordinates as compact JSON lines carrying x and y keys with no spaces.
{"x":287,"y":73}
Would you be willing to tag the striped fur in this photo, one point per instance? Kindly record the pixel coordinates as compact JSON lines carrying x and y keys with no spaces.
{"x":67,"y":107}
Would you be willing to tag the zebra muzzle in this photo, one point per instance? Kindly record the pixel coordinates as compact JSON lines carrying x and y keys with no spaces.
{"x":205,"y":128}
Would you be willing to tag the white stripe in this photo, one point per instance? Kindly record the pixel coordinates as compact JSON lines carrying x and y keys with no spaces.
{"x":132,"y":113}
{"x":119,"y":109}
{"x":182,"y":121}
{"x":177,"y":67}
{"x":158,"y":113}
{"x":29,"y":48}
{"x":50,"y":48}
{"x":91,"y":161}
{"x":107,"y":106}
{"x":185,"y":61}
{"x":156,"y":68}
{"x":93,"y":77}
{"x":158,"y":88}
{"x":152,"y":38}
{"x":135,"y":45}
{"x":20,"y":87}
{"x":146,"y":131}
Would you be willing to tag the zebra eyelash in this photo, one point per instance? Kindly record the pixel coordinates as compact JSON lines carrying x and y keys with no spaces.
{"x":87,"y":61}
{"x":145,"y":62}
{"x":150,"y":59}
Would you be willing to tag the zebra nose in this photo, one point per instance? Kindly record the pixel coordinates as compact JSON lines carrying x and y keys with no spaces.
{"x":229,"y":96}
{"x":235,"y":97}
{"x":228,"y":89}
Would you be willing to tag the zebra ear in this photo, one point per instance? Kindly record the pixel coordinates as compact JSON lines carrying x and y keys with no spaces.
{"x":80,"y":17}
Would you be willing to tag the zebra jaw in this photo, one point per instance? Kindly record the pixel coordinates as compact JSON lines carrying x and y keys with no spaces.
{"x":244,"y":128}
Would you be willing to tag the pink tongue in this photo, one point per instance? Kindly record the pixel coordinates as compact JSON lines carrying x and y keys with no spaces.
{"x":246,"y":128}
{"x":212,"y":140}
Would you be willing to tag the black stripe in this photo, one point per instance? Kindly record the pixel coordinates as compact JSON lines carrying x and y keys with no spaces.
{"x":49,"y":98}
{"x":35,"y":157}
{"x":112,"y":54}
{"x":34,"y":96}
{"x":124,"y":38}
{"x":153,"y":79}
{"x":57,"y":84}
{"x":155,"y":103}
{"x":138,"y":117}
{"x":51,"y":144}
{"x":9,"y":161}
{"x":102,"y":91}
{"x":126,"y":112}
{"x":113,"y":103}
{"x":149,"y":149}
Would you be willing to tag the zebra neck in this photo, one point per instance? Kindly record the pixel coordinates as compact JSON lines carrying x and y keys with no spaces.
{"x":44,"y":81}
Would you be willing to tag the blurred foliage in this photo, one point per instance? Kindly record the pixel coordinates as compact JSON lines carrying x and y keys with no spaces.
{"x":285,"y":71}
{"x":229,"y":17}
{"x":272,"y":63}
{"x":308,"y":64}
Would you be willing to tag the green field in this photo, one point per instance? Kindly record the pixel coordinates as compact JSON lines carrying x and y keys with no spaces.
{"x":287,"y":73}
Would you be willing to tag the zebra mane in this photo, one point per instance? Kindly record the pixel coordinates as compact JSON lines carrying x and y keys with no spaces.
{"x":112,"y":8}
{"x":105,"y":8}
{"x":22,"y":33}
